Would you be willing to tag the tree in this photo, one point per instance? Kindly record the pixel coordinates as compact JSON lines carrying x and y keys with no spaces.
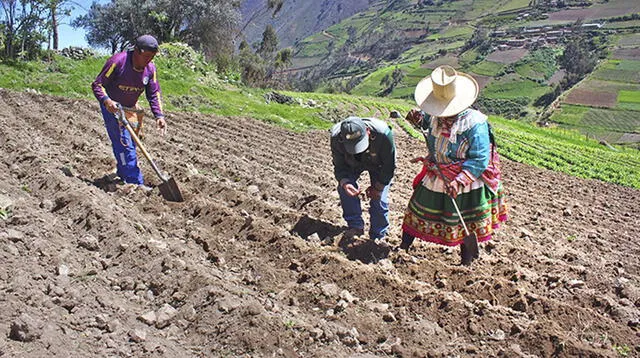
{"x":578,"y":57}
{"x":269,"y":43}
{"x":109,"y":25}
{"x":23,"y":27}
{"x":209,"y":25}
{"x":252,"y":66}
{"x":283,"y":58}
{"x":58,"y":9}
{"x":205,"y":25}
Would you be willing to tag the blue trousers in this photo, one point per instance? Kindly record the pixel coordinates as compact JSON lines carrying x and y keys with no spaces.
{"x":124,"y":149}
{"x":378,"y":209}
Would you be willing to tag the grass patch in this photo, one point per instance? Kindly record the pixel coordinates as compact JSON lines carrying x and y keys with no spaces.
{"x":625,"y":71}
{"x":514,"y":87}
{"x":487,"y":68}
{"x":629,"y":100}
{"x":456,"y":31}
{"x":538,"y":65}
{"x":569,"y":114}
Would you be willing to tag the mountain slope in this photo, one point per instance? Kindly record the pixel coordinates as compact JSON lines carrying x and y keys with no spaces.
{"x":91,"y":269}
{"x":297,"y":19}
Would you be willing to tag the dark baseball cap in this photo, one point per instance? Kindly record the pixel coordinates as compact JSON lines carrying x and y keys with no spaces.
{"x":354,"y":135}
{"x":147,"y":43}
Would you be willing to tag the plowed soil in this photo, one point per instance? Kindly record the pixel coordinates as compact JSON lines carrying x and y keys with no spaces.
{"x":253,"y":262}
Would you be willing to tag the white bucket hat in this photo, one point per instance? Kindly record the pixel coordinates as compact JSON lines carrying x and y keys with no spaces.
{"x":446,"y":92}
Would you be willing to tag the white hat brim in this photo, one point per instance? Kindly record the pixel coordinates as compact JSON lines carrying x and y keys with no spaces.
{"x":466,"y":92}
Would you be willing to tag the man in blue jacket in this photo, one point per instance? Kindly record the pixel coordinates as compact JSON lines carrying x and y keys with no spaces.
{"x":358,"y":145}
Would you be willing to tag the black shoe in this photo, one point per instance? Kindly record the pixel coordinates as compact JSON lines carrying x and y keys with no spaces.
{"x":407,"y":241}
{"x":353,"y":232}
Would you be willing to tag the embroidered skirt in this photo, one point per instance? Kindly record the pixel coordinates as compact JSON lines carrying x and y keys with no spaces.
{"x":432,"y":217}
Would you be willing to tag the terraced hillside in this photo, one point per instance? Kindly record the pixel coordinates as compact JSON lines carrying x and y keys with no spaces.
{"x":253,"y":263}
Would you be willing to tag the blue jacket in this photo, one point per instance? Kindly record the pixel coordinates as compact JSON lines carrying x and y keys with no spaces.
{"x":469,"y":141}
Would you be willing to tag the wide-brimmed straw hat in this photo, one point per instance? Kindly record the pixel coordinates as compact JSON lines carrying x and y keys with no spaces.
{"x":446,"y":92}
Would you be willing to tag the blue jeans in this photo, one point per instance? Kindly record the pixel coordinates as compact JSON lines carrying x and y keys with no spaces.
{"x":378,"y":209}
{"x":124,"y":149}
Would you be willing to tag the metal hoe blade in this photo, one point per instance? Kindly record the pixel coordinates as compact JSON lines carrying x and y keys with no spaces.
{"x":169,"y":187}
{"x":170,"y":191}
{"x":469,"y":249}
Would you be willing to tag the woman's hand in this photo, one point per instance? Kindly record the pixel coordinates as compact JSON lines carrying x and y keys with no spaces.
{"x":415,"y":117}
{"x":452,"y":188}
{"x":422,"y":160}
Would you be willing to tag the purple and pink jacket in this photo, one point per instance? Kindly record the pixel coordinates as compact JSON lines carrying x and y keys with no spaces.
{"x":120,"y":82}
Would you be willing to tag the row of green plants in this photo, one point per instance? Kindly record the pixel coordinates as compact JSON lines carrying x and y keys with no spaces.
{"x":567,"y":152}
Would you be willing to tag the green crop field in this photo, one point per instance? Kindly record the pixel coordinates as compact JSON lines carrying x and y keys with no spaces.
{"x":540,"y":64}
{"x":569,"y":114}
{"x":623,"y":24}
{"x":629,"y":65}
{"x":612,"y":120}
{"x":455,"y":31}
{"x":416,"y":75}
{"x":566,"y":152}
{"x":467,"y":57}
{"x":626,"y":71}
{"x":479,"y":8}
{"x":511,"y":5}
{"x":430,"y":48}
{"x":598,"y":121}
{"x":487,"y":68}
{"x":630,"y":40}
{"x":513,"y":87}
{"x":629,"y":100}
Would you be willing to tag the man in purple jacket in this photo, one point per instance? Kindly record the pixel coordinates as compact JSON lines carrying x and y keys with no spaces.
{"x":122,"y":80}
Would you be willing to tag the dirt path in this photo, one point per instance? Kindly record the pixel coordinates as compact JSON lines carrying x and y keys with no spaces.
{"x":241,"y":269}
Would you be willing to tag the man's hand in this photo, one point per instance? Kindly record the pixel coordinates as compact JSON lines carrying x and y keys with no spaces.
{"x":162,"y":125}
{"x":350,"y":189}
{"x":111,"y":105}
{"x":373,"y":193}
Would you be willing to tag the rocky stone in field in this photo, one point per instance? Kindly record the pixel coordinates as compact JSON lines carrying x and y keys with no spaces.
{"x":164,"y":315}
{"x":387,"y":346}
{"x":347,"y":296}
{"x":389,"y":317}
{"x":137,"y":335}
{"x":227,"y":304}
{"x":13,"y":235}
{"x":378,"y":307}
{"x":26,"y":328}
{"x":330,"y":290}
{"x":6,"y":203}
{"x":253,"y":308}
{"x":88,"y":242}
{"x":149,"y":318}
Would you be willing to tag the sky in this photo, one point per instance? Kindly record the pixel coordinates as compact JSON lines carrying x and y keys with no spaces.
{"x":69,"y":36}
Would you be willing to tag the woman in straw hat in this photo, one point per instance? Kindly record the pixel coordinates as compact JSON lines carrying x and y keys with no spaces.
{"x":461,"y":163}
